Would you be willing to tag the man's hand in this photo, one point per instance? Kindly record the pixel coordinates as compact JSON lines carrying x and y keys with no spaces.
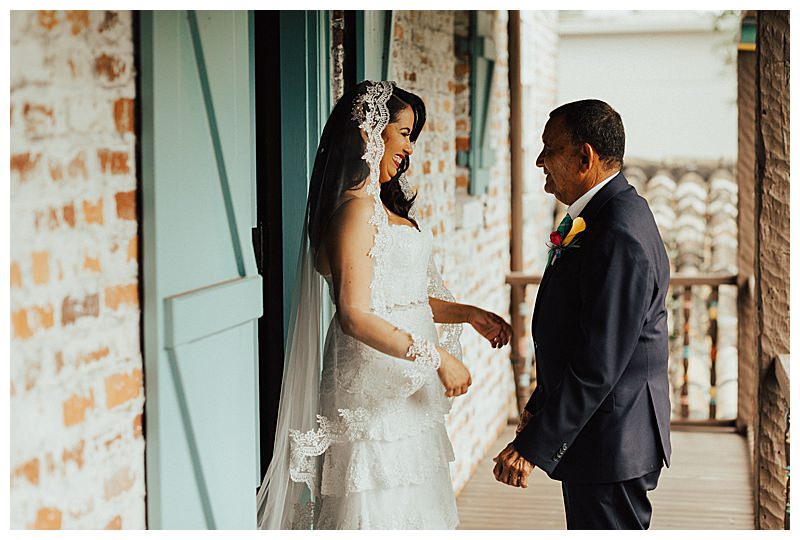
{"x":491,"y":326}
{"x":511,"y":468}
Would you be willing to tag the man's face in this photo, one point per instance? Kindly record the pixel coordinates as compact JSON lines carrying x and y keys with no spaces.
{"x":561,"y":162}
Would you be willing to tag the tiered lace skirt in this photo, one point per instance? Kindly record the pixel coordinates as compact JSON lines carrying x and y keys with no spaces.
{"x":389,"y":464}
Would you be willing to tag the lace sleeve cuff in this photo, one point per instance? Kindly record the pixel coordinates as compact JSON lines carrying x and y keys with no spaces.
{"x":424,"y":353}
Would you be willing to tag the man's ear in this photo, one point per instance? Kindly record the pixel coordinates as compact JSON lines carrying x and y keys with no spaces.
{"x":588,"y":157}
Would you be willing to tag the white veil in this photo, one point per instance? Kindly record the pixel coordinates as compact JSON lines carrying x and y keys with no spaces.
{"x":285,"y":499}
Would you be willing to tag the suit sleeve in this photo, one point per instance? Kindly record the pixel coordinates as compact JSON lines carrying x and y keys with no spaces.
{"x":615,"y":289}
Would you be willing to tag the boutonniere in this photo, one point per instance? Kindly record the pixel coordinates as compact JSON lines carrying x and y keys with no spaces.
{"x":558,"y":244}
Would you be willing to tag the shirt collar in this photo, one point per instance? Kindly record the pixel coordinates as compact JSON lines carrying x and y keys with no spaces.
{"x":577,"y":207}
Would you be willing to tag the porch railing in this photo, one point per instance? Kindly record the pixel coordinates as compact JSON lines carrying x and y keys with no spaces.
{"x":683,"y":293}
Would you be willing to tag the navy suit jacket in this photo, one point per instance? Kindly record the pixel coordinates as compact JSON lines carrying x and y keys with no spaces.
{"x":601,"y":409}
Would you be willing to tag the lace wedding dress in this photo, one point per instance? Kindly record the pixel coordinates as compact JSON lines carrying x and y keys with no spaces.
{"x":386,"y":465}
{"x":377,"y":455}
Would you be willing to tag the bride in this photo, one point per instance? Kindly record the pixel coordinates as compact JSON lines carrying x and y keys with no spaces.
{"x":363,"y":444}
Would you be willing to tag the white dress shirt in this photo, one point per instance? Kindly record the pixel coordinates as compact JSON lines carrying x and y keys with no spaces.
{"x":577,"y":207}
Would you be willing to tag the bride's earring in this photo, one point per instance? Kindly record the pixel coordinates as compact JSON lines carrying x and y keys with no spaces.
{"x":405,"y":187}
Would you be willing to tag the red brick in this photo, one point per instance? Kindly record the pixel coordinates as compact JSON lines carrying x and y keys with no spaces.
{"x":120,"y":482}
{"x":16,"y":275}
{"x":40,"y":267}
{"x":112,"y":440}
{"x":19,"y":321}
{"x":77,"y":166}
{"x":122,"y":294}
{"x":48,"y":518}
{"x":133,"y":248}
{"x":462,"y":144}
{"x":93,"y":213}
{"x":126,"y":204}
{"x":59,"y":361}
{"x":75,"y":454}
{"x":37,"y":118}
{"x":47,"y":19}
{"x":123,"y":387}
{"x":94,"y":356}
{"x":43,"y":315}
{"x":56,"y":170}
{"x":110,"y":67}
{"x":426,"y":167}
{"x":69,"y":214}
{"x":115,"y":523}
{"x":113,"y":162}
{"x":32,"y":371}
{"x":72,"y":310}
{"x":137,"y":426}
{"x":91,"y":264}
{"x":124,"y":115}
{"x":79,"y":20}
{"x":75,"y":407}
{"x":29,"y":470}
{"x":24,"y":164}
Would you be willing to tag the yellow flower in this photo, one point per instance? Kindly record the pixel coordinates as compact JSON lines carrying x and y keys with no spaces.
{"x":577,"y":226}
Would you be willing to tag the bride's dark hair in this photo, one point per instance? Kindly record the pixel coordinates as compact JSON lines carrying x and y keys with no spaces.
{"x":338,"y":166}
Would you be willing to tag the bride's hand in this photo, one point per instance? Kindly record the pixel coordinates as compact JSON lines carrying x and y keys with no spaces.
{"x":454,"y":375}
{"x":491,"y":326}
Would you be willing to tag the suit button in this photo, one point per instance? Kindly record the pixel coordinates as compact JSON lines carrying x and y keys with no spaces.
{"x":564,"y":447}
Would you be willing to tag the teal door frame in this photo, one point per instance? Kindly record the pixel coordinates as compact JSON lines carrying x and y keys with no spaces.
{"x":305,"y":106}
{"x":374,"y":30}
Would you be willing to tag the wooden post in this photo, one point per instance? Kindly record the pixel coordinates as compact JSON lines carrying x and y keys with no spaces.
{"x":745,"y":176}
{"x":771,"y":256}
{"x":517,"y":308}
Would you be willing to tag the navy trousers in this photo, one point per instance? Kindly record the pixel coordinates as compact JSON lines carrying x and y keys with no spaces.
{"x":618,"y":505}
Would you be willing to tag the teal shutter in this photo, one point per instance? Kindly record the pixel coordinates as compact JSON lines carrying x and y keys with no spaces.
{"x":202,"y":292}
{"x":483,"y":55}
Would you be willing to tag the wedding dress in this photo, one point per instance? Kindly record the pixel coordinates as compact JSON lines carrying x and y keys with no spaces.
{"x":377,"y":455}
{"x":387,"y":466}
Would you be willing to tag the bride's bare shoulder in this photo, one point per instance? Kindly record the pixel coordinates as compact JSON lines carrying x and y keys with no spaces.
{"x":355,"y":212}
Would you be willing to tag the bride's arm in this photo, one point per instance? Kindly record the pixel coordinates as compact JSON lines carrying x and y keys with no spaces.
{"x":348,"y":241}
{"x":491,"y":326}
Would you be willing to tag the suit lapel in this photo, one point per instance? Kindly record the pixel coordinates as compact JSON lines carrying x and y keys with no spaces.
{"x":617,"y":184}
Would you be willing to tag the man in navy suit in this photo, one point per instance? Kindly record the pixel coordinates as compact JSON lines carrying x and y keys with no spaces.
{"x":598,"y":420}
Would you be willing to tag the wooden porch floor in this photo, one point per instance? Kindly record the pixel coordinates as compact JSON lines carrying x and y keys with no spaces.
{"x":708,"y":486}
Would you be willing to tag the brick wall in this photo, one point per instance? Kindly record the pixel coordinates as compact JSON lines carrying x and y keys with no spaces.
{"x":541,"y":211}
{"x":77,"y":454}
{"x":473,"y":252}
{"x":539,"y":48}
